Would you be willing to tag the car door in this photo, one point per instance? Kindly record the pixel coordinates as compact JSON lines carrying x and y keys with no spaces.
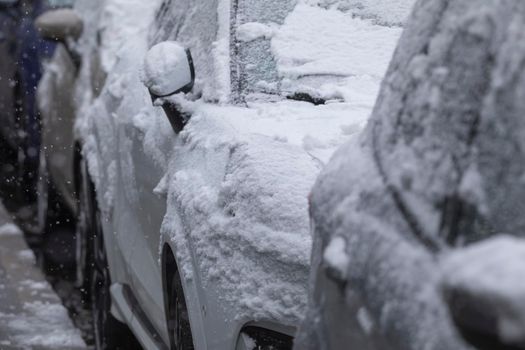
{"x":145,"y":142}
{"x":150,"y":149}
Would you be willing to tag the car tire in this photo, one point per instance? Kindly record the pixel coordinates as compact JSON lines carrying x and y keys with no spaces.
{"x":178,"y":319}
{"x":109,"y":333}
{"x":84,"y":233}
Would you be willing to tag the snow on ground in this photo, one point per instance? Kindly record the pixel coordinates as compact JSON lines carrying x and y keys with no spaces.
{"x":41,"y":324}
{"x":31,"y":315}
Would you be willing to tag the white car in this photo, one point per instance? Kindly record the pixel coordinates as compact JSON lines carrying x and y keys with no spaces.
{"x":193,"y":225}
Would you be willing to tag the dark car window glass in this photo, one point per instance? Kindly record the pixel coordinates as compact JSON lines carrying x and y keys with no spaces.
{"x":253,"y":61}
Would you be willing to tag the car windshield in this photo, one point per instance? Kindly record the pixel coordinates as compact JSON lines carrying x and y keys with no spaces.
{"x":307,"y":47}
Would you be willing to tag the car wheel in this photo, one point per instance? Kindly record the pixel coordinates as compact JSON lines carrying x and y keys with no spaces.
{"x":84,"y":233}
{"x":110,"y":333}
{"x":178,"y":318}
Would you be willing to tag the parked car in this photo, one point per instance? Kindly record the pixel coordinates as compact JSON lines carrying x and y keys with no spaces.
{"x":407,"y":216}
{"x":22,"y":56}
{"x":192,"y":225}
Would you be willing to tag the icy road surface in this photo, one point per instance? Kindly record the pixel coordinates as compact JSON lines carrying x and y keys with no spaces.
{"x":31,"y":315}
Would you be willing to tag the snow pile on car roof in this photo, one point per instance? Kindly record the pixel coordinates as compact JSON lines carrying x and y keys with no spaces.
{"x":42,"y":325}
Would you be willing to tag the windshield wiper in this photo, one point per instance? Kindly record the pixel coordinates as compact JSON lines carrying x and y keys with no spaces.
{"x":305,"y":97}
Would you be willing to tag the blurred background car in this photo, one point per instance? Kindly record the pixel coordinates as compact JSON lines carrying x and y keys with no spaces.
{"x":23,"y":54}
{"x":408,"y":216}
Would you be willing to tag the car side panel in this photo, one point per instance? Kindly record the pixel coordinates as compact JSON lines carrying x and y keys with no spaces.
{"x":149,"y":211}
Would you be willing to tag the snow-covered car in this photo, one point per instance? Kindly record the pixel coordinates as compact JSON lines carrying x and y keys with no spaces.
{"x":7,"y":73}
{"x":199,"y":128}
{"x":406,"y":217}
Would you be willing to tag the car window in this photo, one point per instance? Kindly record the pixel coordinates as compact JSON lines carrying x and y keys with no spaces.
{"x":60,"y":3}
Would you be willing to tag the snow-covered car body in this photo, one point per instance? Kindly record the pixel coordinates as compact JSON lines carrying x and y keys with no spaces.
{"x":223,"y":203}
{"x":438,"y":167}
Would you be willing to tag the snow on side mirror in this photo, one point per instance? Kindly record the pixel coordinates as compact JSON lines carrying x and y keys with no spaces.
{"x":484,"y":289}
{"x":168,"y":70}
{"x":59,"y":25}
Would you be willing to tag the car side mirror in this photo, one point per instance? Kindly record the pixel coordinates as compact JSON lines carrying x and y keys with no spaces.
{"x":59,"y":25}
{"x":168,"y":70}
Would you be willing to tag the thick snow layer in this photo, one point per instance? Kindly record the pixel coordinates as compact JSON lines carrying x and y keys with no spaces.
{"x":31,"y":314}
{"x":491,"y":273}
{"x":333,"y":48}
{"x":319,"y":130}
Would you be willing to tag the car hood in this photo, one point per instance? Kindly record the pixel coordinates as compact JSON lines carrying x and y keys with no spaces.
{"x":237,"y":188}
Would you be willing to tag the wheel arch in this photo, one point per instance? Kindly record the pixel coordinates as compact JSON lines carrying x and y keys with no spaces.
{"x":170,"y":267}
